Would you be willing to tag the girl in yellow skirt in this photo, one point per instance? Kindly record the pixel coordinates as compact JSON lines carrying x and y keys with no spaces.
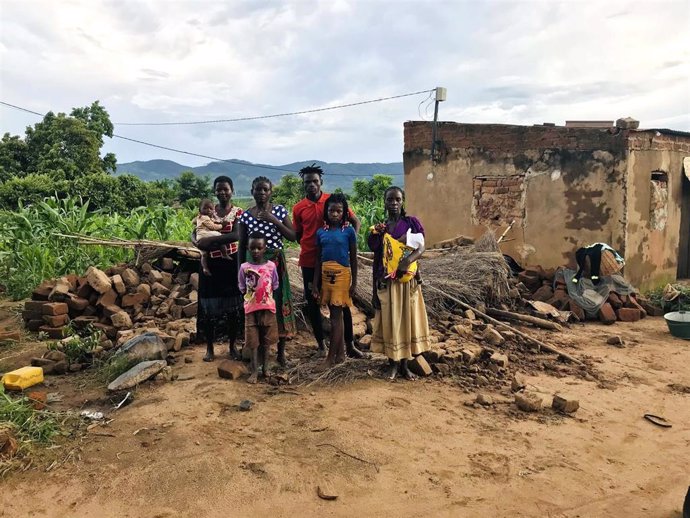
{"x":335,"y":275}
{"x":401,"y":327}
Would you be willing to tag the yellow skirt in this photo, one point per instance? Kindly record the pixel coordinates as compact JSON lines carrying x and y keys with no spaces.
{"x":335,"y":284}
{"x":401,"y":326}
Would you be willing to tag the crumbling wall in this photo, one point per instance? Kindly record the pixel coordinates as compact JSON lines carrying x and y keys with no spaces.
{"x":655,"y":169}
{"x":572,"y":186}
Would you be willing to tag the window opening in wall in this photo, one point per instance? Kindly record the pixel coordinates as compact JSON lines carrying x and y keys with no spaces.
{"x":658,"y":203}
{"x":498,"y":200}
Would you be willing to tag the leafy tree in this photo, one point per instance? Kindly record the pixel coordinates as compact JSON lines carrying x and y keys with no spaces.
{"x":370,"y":190}
{"x":98,"y":122}
{"x":289,"y":191}
{"x":191,"y":186}
{"x":30,"y":189}
{"x":13,"y":157}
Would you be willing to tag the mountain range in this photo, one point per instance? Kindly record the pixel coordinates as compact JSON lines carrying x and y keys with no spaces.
{"x":242,"y":172}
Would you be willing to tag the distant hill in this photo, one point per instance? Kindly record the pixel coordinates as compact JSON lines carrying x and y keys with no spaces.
{"x":242,"y":173}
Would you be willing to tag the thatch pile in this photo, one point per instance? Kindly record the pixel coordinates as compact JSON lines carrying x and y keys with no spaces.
{"x":475,"y":274}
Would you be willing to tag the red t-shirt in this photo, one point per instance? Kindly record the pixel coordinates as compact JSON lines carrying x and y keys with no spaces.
{"x":307,"y":217}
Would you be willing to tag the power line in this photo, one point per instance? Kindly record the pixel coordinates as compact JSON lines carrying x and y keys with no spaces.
{"x":258,"y":117}
{"x":190,"y":153}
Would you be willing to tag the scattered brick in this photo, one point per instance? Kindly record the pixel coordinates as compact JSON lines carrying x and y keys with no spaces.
{"x":167,"y":264}
{"x":121,"y":320}
{"x":130,"y":277}
{"x":232,"y":370}
{"x":499,"y":359}
{"x":577,"y":310}
{"x":107,"y":298}
{"x":190,"y":309}
{"x":528,"y":402}
{"x":606,"y":314}
{"x":155,"y":276}
{"x":84,"y":291}
{"x":41,"y":293}
{"x":543,"y":294}
{"x":77,"y":303}
{"x":628,"y":315}
{"x":565,"y":404}
{"x":615,"y":301}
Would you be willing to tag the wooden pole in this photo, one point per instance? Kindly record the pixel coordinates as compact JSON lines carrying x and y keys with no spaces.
{"x":539,"y":322}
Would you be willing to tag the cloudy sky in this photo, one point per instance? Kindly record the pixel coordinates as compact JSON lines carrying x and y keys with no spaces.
{"x":518,"y":62}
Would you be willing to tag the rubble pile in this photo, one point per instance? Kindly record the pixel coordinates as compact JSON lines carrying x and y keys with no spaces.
{"x":122,"y":302}
{"x":544,"y":285}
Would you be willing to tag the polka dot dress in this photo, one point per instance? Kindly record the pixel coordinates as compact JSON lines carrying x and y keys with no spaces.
{"x":274,"y":239}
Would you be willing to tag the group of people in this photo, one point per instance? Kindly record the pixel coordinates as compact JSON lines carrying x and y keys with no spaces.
{"x":244,"y":275}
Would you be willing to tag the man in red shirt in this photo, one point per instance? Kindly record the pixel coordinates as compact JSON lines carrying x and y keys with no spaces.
{"x":307,"y":217}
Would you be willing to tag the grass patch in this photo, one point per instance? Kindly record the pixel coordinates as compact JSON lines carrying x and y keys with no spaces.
{"x":108,"y":370}
{"x":31,"y":428}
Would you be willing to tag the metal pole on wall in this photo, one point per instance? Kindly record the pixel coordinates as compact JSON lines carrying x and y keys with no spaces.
{"x":440,"y":96}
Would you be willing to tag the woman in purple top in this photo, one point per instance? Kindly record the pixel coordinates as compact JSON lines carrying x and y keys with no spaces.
{"x":401,"y":327}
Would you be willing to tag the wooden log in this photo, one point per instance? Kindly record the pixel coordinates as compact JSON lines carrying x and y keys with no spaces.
{"x":536,"y":321}
{"x":540,"y":345}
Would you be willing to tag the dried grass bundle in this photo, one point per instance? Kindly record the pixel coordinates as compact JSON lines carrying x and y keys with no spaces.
{"x":309,"y":373}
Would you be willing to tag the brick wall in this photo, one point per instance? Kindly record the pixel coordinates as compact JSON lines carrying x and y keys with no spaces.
{"x":511,"y":138}
{"x":498,"y":200}
{"x":653,"y":140}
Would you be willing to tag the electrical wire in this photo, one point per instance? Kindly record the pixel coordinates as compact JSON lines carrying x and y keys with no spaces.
{"x":190,"y":153}
{"x":258,"y":117}
{"x":423,"y":101}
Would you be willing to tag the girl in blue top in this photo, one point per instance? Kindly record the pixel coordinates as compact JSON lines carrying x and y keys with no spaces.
{"x":335,"y":275}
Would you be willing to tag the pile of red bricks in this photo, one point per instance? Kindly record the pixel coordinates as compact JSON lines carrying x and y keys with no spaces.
{"x":114,"y":301}
{"x":539,"y":285}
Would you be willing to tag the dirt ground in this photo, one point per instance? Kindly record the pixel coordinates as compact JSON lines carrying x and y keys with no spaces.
{"x":183,"y":448}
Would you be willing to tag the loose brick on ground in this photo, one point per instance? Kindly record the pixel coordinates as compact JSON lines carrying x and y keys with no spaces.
{"x":628,"y":315}
{"x":606,"y":314}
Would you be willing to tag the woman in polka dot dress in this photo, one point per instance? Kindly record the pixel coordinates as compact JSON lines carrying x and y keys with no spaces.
{"x":273,"y":222}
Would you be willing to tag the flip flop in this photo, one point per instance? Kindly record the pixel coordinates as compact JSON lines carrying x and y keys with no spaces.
{"x":658,"y":420}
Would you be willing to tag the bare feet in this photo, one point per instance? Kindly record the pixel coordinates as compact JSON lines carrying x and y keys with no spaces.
{"x":392,"y":370}
{"x":353,"y":352}
{"x":406,"y":371}
{"x":253,"y":378}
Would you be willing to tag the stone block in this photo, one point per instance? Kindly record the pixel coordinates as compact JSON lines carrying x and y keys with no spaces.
{"x":576,"y":310}
{"x":468,"y":356}
{"x":565,"y":404}
{"x":628,"y":314}
{"x":499,"y":359}
{"x":108,"y":330}
{"x":155,"y":276}
{"x":137,"y":374}
{"x":118,"y":284}
{"x":606,"y":314}
{"x":181,"y":340}
{"x":519,"y":382}
{"x":109,"y":298}
{"x":627,"y":123}
{"x":53,"y":332}
{"x":130,"y":277}
{"x":55,"y":308}
{"x":84,"y":291}
{"x":42,"y":292}
{"x":34,"y":325}
{"x":121,"y":320}
{"x":132,"y":299}
{"x":419,"y":366}
{"x":615,"y":301}
{"x":484,"y":399}
{"x":166,"y":280}
{"x":32,"y":315}
{"x":493,"y":337}
{"x":543,"y":294}
{"x":190,"y":310}
{"x":34,"y":306}
{"x":98,"y":280}
{"x":615,"y":340}
{"x":232,"y":370}
{"x":528,"y":402}
{"x":144,"y":289}
{"x":76,"y":304}
{"x":56,"y":320}
{"x":442,"y":369}
{"x":158,"y":289}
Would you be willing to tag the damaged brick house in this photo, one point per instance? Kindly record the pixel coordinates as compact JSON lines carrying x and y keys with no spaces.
{"x":564,"y":187}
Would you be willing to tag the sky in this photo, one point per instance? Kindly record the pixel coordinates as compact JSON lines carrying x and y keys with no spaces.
{"x":512,"y":62}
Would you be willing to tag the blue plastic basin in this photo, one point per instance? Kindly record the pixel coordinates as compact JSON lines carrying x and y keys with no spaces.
{"x":679,"y":324}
